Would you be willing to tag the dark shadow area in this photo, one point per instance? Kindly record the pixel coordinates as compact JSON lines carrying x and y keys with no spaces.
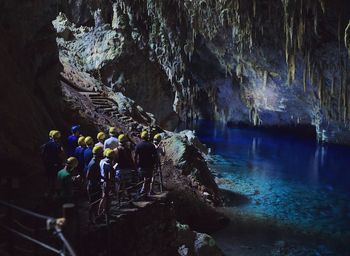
{"x":298,"y":131}
{"x":231,"y":198}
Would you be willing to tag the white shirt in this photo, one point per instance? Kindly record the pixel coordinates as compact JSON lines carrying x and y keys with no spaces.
{"x":111,"y":143}
{"x":99,"y":144}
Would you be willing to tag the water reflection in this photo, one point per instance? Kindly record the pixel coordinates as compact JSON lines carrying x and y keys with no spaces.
{"x":280,"y":155}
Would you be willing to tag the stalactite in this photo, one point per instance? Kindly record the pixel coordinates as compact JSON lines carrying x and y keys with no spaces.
{"x":315,"y":21}
{"x":291,"y":69}
{"x":300,"y":36}
{"x":323,"y":5}
{"x":320,"y":90}
{"x":254,"y":8}
{"x":340,"y":98}
{"x":344,"y":95}
{"x":347,"y":37}
{"x":308,"y":65}
{"x":265,"y":79}
{"x":304,"y":77}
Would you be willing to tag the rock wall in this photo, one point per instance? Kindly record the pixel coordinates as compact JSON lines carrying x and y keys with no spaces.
{"x":30,"y":95}
{"x":263,"y":63}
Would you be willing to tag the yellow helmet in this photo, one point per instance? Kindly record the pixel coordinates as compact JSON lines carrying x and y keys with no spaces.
{"x":108,"y":153}
{"x":101,"y":136}
{"x":56,"y":134}
{"x":157,"y":137}
{"x":81,"y":141}
{"x":113,"y":131}
{"x":97,"y":150}
{"x":122,"y":138}
{"x":50,"y":133}
{"x":144,"y":135}
{"x":72,"y":162}
{"x":89,"y":141}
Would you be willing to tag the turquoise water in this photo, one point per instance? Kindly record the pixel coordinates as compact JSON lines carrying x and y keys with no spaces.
{"x":289,"y":181}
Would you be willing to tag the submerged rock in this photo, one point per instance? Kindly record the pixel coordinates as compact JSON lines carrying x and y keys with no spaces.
{"x":205,"y":246}
{"x":195,"y":244}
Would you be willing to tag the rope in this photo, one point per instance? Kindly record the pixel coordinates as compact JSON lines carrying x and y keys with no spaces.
{"x":46,"y":246}
{"x":131,"y":187}
{"x":95,"y":202}
{"x":37,"y":215}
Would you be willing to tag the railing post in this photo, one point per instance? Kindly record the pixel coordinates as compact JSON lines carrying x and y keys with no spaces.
{"x":70,"y":228}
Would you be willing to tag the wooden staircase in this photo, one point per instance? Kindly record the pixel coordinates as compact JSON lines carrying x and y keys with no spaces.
{"x":107,"y":106}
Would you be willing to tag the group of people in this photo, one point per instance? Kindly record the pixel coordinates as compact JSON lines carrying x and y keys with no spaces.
{"x":104,"y":167}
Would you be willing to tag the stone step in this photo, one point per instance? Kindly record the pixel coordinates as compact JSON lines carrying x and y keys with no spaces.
{"x":128,"y":210}
{"x":114,"y":113}
{"x":101,"y":101}
{"x":105,"y":108}
{"x":142,"y":204}
{"x":102,"y":104}
{"x":90,"y":94}
{"x":97,"y":96}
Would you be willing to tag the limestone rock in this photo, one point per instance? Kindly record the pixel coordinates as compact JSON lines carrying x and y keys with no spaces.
{"x":205,"y":246}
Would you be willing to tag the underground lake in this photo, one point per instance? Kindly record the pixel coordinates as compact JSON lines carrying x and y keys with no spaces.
{"x":282,"y":186}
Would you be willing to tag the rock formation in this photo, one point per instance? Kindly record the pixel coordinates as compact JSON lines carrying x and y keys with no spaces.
{"x":263,"y":63}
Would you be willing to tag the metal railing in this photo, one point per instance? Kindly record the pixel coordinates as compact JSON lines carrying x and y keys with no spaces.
{"x":14,"y":226}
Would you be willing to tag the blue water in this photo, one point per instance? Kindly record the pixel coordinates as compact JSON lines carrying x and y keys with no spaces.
{"x":288,"y":179}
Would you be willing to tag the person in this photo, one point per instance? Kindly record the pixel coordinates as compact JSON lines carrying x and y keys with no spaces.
{"x":101,"y":136}
{"x":107,"y":179}
{"x":112,"y":142}
{"x":52,"y":154}
{"x":126,"y":165}
{"x":89,"y":142}
{"x":145,"y":159}
{"x":65,"y":180}
{"x":160,"y":153}
{"x":79,"y":154}
{"x":157,"y":139}
{"x":93,"y":177}
{"x":73,"y":140}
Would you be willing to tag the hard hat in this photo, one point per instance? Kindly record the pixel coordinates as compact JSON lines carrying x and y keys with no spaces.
{"x":89,"y":141}
{"x":101,"y":136}
{"x":113,"y":131}
{"x":122,"y":138}
{"x":144,"y":135}
{"x":72,"y":162}
{"x":108,"y":153}
{"x":81,"y":141}
{"x":97,"y":150}
{"x":56,"y":134}
{"x":50,"y":133}
{"x":157,"y":137}
{"x":75,"y":128}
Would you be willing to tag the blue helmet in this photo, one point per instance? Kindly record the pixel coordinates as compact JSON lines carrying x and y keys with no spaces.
{"x":75,"y":128}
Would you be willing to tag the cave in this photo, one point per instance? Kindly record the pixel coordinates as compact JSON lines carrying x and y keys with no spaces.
{"x":244,"y":102}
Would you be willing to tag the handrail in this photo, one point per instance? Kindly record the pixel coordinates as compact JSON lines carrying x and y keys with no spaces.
{"x":51,"y":224}
{"x":34,"y":214}
{"x":32,"y":239}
